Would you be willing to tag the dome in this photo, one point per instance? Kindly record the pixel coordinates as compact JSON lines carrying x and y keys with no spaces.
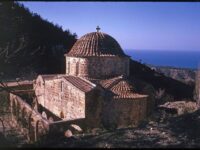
{"x":96,"y":44}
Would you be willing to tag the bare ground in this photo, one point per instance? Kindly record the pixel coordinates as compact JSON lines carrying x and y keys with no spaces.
{"x":163,"y":131}
{"x":172,"y":132}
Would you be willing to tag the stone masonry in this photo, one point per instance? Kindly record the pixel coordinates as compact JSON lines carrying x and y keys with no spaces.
{"x":95,"y":89}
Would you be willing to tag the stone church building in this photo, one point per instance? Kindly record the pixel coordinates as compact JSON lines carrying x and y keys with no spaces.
{"x":95,"y":87}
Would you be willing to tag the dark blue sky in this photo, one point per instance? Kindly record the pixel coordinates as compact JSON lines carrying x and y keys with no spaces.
{"x":135,"y":25}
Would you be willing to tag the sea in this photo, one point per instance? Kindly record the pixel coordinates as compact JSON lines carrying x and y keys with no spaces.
{"x":177,"y":59}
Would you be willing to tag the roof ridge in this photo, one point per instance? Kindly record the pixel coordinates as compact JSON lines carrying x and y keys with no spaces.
{"x":118,"y":79}
{"x":52,"y":76}
{"x":125,"y":86}
{"x":87,"y":81}
{"x":79,"y":83}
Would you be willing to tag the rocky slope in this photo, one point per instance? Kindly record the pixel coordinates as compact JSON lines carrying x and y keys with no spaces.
{"x":161,"y":84}
{"x":26,"y":38}
{"x":163,"y":131}
{"x":184,"y":75}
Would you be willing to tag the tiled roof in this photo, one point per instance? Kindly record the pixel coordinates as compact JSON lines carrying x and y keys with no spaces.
{"x":122,"y":85}
{"x":109,"y":82}
{"x":96,"y":44}
{"x":121,"y":88}
{"x":124,"y":90}
{"x":80,"y":83}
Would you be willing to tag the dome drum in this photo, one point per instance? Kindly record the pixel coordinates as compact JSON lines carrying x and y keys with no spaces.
{"x":97,"y":55}
{"x":95,"y":67}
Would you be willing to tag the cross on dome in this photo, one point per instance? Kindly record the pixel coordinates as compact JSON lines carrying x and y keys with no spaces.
{"x":98,"y":28}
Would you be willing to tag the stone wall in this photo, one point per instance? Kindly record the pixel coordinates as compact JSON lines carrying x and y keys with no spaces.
{"x":74,"y":101}
{"x":30,"y":121}
{"x":39,"y":90}
{"x":68,"y":102}
{"x":36,"y":126}
{"x":94,"y":107}
{"x":61,"y":98}
{"x":97,"y":67}
{"x":124,"y":112}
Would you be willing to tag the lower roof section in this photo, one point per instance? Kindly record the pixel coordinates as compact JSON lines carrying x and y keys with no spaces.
{"x":80,"y":83}
{"x":120,"y":86}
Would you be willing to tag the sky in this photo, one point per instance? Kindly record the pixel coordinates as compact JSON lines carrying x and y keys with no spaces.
{"x":135,"y":25}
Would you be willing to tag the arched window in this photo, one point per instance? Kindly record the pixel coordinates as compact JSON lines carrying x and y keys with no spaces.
{"x":44,"y":115}
{"x":77,"y":68}
{"x":61,"y":114}
{"x":51,"y":119}
{"x":62,"y":86}
{"x":68,"y":67}
{"x":39,"y":83}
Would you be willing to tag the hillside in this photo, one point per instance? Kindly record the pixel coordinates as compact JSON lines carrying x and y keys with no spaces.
{"x":172,"y":131}
{"x":29,"y":43}
{"x":184,"y":75}
{"x":178,"y":90}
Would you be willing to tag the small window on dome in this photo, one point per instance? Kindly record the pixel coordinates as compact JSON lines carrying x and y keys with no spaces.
{"x":39,"y":83}
{"x":62,"y":86}
{"x":77,"y":68}
{"x":68,"y":67}
{"x":61,"y":114}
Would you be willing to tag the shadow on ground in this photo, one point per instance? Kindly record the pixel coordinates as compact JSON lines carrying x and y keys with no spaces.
{"x":172,"y":132}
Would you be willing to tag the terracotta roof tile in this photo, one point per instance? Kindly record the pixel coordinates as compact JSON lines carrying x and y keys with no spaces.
{"x":121,"y":88}
{"x":80,"y":83}
{"x":108,"y":82}
{"x":96,"y":44}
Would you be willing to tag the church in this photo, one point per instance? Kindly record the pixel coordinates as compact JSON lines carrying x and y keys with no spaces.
{"x":95,"y":87}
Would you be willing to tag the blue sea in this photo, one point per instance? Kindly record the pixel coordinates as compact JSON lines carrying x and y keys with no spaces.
{"x":180,"y":59}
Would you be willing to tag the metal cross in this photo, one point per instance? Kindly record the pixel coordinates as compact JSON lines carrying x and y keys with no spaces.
{"x":98,"y":28}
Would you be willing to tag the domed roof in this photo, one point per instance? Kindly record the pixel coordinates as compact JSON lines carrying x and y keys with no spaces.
{"x":96,"y":44}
